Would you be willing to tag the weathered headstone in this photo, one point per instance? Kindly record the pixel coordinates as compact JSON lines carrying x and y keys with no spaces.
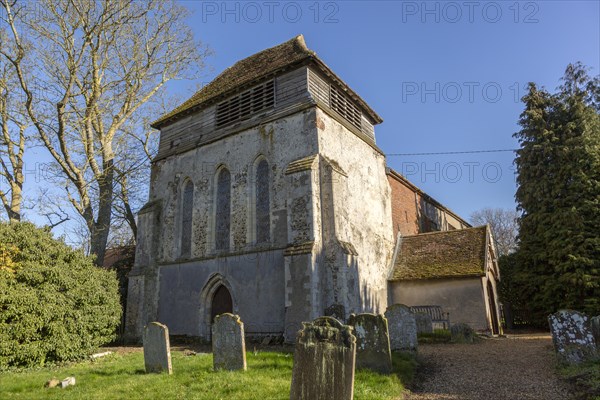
{"x":336,"y":311}
{"x":424,"y":323}
{"x":157,"y":350}
{"x":372,"y":342}
{"x":462,"y":333}
{"x":324,"y":361}
{"x":54,"y":383}
{"x":402,"y":327}
{"x":68,"y":381}
{"x":595,"y":325}
{"x":572,"y":336}
{"x":228,"y":345}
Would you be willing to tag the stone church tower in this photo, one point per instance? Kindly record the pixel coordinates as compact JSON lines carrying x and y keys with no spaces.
{"x":268,"y":199}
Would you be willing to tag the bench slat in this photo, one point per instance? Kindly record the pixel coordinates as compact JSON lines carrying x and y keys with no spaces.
{"x":436,"y":313}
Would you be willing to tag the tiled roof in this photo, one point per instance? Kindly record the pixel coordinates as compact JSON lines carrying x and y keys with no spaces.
{"x":447,"y":254}
{"x":253,"y":69}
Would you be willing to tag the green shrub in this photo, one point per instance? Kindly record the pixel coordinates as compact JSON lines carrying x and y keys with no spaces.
{"x":55,"y":304}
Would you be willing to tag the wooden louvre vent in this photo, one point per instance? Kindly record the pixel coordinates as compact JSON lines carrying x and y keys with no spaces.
{"x":246,"y":104}
{"x":343,"y":106}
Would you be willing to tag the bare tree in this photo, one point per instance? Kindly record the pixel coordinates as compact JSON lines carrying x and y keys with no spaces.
{"x":504,"y":226}
{"x":132,"y":167}
{"x":100,"y":64}
{"x":13,"y":138}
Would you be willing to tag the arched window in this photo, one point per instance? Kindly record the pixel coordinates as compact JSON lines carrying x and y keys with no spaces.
{"x":187,"y":210}
{"x":223,"y":209}
{"x":263,"y":203}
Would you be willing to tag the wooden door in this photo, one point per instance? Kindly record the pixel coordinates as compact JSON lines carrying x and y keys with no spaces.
{"x":221,"y":303}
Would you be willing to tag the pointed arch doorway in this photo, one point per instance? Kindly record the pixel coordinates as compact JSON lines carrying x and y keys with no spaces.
{"x":216,"y":297}
{"x":221,"y":303}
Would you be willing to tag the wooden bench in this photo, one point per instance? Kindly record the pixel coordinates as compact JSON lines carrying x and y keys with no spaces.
{"x":438,"y":316}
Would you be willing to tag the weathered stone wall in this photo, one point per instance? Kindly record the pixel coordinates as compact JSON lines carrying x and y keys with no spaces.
{"x":143,"y":279}
{"x":462,"y":298}
{"x":255,"y":282}
{"x":358,"y":211}
{"x":254,"y":273}
{"x":302,"y":283}
{"x":279,"y":142}
{"x":331,"y":228}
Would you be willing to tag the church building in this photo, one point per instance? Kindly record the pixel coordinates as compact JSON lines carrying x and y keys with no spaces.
{"x":269,"y":198}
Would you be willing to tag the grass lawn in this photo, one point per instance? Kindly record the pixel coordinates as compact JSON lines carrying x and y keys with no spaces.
{"x":584,"y":378}
{"x":122,"y":376}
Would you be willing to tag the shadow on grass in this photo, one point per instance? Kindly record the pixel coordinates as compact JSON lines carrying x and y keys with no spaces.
{"x":117,"y":372}
{"x":270,"y":366}
{"x":404,"y":365}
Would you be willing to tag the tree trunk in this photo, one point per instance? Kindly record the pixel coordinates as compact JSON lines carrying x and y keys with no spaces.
{"x":101,"y":227}
{"x":14,"y":211}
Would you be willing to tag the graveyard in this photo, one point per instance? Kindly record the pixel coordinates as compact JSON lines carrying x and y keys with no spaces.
{"x":201,"y":200}
{"x":368,"y":357}
{"x":122,"y":375}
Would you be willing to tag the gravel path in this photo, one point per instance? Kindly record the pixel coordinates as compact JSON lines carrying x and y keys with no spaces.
{"x":520,"y":367}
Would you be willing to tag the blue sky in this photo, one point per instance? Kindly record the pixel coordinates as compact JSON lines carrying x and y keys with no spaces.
{"x":445,"y":76}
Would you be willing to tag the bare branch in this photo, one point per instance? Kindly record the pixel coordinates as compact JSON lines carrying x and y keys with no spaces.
{"x":101,"y":64}
{"x":504,"y":226}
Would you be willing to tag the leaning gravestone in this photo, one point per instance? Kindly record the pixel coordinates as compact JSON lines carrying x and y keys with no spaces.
{"x":324,"y":361}
{"x":157,"y":351}
{"x":402,"y":327}
{"x":462,"y":333}
{"x":228,"y":345}
{"x":372,"y":342}
{"x":424,"y":323}
{"x":595,"y":325}
{"x":572,"y":336}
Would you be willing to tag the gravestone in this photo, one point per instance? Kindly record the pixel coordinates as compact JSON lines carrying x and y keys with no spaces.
{"x":228,"y":345}
{"x":595,"y":325}
{"x":324,"y":361}
{"x":336,"y":311}
{"x":402,"y":327}
{"x":572,"y":336}
{"x":462,"y":333}
{"x":372,"y":342}
{"x":157,"y":351}
{"x":424,"y":323}
{"x":68,"y":381}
